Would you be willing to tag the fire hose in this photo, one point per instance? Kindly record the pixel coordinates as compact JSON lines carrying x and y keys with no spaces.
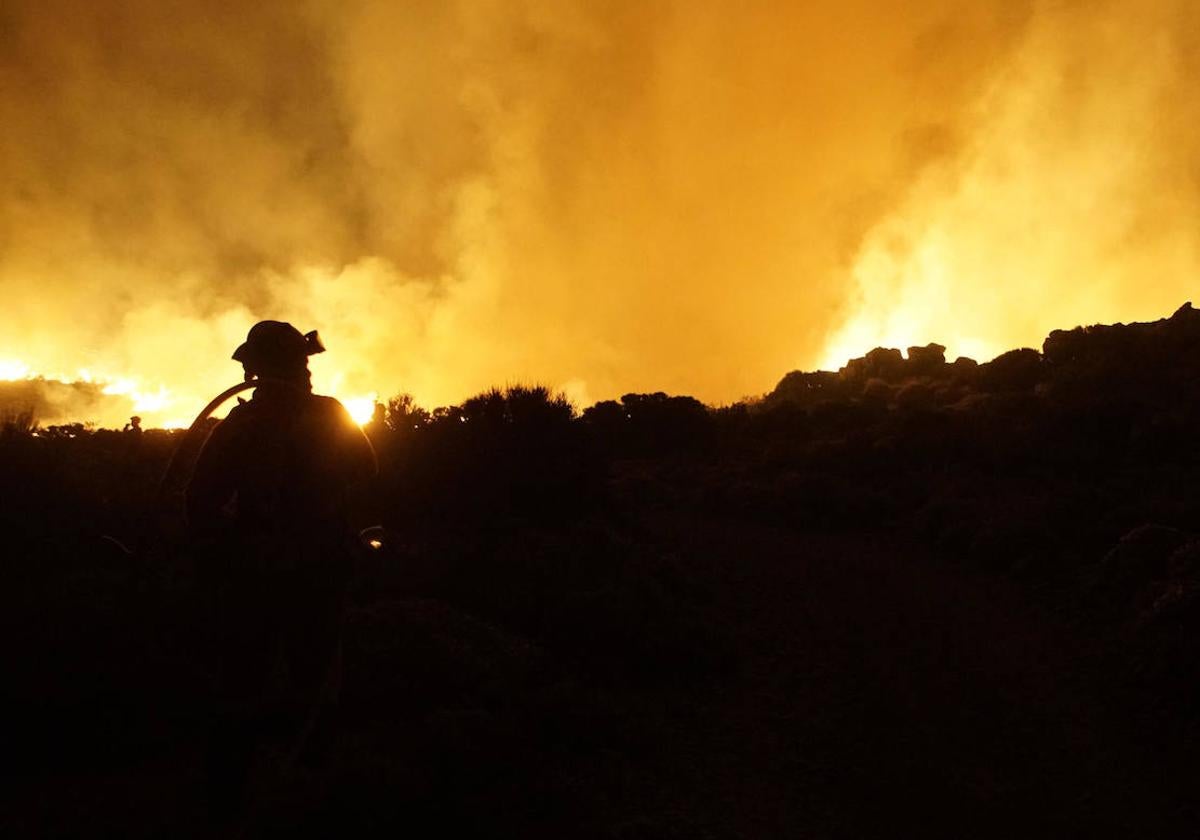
{"x":201,"y":425}
{"x":183,"y":460}
{"x":192,"y":445}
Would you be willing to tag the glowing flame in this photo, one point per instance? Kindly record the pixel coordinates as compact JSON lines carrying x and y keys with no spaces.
{"x":143,"y":401}
{"x":157,"y":405}
{"x":1064,"y":208}
{"x":131,"y":395}
{"x":361,"y":408}
{"x":13,"y":369}
{"x":918,"y":291}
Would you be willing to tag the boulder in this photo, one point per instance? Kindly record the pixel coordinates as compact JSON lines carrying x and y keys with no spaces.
{"x":926,"y":361}
{"x":881,"y":363}
{"x":885,"y":363}
{"x":807,"y":388}
{"x":1016,"y":370}
{"x":1062,"y":347}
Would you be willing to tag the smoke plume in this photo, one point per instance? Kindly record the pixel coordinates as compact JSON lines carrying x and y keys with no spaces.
{"x":603,"y":197}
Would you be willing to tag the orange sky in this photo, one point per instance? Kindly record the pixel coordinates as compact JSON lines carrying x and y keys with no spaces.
{"x":601,"y":196}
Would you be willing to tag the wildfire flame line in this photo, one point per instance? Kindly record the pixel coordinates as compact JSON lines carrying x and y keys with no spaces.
{"x":158,"y":405}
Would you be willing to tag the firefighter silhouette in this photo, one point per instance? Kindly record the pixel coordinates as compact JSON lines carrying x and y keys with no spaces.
{"x":268,"y":508}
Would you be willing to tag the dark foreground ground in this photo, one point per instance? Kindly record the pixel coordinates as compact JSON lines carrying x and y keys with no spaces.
{"x":912,"y":598}
{"x":856,"y":689}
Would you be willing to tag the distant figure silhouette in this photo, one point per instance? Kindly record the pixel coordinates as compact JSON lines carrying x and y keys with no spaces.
{"x":134,"y":426}
{"x":268,"y":508}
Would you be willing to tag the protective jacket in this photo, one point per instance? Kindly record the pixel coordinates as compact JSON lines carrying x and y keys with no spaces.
{"x":269,"y":510}
{"x":278,"y":470}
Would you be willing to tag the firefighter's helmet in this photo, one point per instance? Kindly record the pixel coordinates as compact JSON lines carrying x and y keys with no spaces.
{"x":276,"y":344}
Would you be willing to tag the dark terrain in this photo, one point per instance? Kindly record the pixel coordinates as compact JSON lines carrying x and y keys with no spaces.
{"x":912,"y":598}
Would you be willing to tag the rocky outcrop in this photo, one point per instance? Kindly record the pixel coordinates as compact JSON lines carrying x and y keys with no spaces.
{"x":1095,"y":364}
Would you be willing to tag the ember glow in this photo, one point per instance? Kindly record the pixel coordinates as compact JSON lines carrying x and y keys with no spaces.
{"x":601,"y":197}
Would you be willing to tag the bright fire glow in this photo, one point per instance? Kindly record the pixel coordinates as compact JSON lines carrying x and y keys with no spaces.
{"x":602,"y":197}
{"x":116,"y":398}
{"x":1062,"y":210}
{"x":143,"y":402}
{"x":12,"y":369}
{"x":919,"y":292}
{"x":361,"y":408}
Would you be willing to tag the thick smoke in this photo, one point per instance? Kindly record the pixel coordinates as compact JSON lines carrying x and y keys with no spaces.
{"x":605,"y":197}
{"x":1075,"y":198}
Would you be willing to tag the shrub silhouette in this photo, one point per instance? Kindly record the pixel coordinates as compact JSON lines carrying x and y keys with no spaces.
{"x":502,"y":453}
{"x":643,"y":425}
